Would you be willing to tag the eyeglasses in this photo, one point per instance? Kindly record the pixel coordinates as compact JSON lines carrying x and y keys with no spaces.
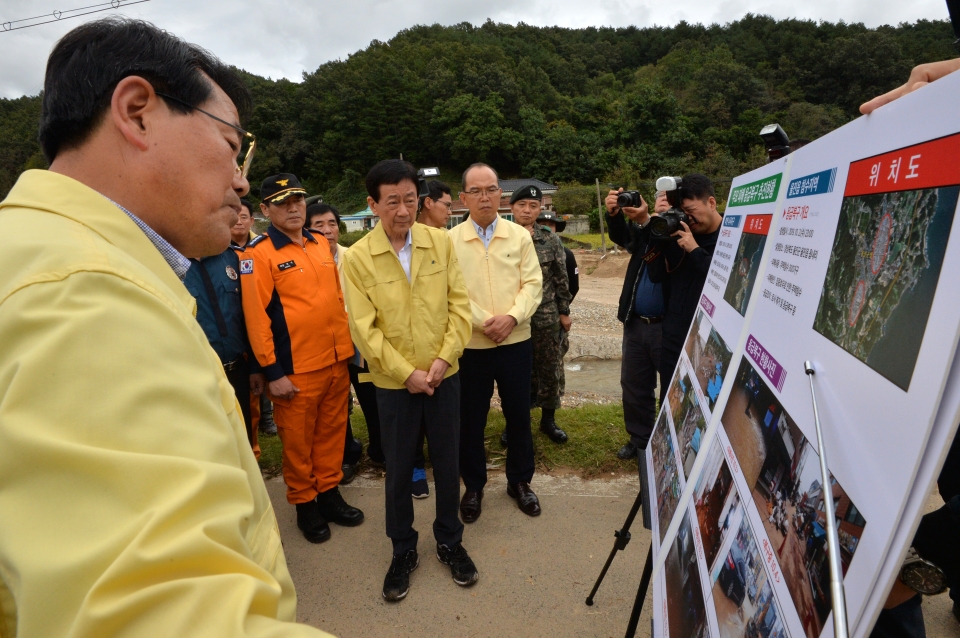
{"x":489,"y":192}
{"x":244,"y":168}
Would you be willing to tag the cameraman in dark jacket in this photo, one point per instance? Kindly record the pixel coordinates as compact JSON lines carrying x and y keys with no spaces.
{"x":682,"y":263}
{"x":642,"y":309}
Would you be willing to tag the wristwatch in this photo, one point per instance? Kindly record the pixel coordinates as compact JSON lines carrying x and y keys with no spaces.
{"x":921,"y":575}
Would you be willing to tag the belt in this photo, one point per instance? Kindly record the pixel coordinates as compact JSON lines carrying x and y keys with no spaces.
{"x":650,"y":319}
{"x":230,"y":366}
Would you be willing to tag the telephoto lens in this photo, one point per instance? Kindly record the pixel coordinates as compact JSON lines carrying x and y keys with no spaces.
{"x":629,"y":199}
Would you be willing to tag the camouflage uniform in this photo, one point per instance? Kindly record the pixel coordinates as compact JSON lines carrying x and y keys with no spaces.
{"x":547,"y":334}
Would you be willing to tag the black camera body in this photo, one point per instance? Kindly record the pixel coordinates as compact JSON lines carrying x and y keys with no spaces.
{"x":629,"y":199}
{"x":423,"y":175}
{"x":663,"y":226}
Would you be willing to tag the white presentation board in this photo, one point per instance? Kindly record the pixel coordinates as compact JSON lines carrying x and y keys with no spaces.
{"x":851,"y":271}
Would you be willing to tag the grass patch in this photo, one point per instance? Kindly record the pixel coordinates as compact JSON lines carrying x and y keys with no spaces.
{"x":595,"y":431}
{"x":593,"y":239}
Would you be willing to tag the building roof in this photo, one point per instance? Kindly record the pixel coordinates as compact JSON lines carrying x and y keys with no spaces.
{"x":511,"y":185}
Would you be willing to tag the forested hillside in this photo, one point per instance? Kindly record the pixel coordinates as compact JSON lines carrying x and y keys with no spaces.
{"x":562,"y":105}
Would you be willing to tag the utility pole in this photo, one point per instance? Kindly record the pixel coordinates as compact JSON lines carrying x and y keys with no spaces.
{"x":603,"y":235}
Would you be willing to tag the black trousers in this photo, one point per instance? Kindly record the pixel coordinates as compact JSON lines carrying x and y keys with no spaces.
{"x":367,"y":396}
{"x":401,"y":414}
{"x":239,"y":378}
{"x":421,"y":461}
{"x":511,"y":367}
{"x":352,"y":447}
{"x":638,"y":378}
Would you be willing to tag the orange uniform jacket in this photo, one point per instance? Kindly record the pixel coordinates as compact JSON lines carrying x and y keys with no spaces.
{"x":293,"y":305}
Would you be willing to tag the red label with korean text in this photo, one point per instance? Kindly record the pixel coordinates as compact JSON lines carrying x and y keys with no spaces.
{"x":757,"y":224}
{"x":926,"y":165}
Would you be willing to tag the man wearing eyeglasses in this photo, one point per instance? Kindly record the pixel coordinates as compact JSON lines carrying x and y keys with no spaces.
{"x":505,"y":286}
{"x":293,"y":305}
{"x":131,"y":502}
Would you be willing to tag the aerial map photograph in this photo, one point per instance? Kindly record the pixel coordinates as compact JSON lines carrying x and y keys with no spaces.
{"x":883,"y":274}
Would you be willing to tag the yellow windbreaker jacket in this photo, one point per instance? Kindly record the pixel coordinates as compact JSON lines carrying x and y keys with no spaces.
{"x":130,"y":501}
{"x":504,"y":279}
{"x":399,"y":325}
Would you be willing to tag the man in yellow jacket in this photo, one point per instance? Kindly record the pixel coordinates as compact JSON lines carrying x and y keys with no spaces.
{"x":505,"y":285}
{"x":410,"y":317}
{"x":130,"y":501}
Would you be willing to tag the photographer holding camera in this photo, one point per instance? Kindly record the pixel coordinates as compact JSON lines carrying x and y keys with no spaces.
{"x":683,"y":239}
{"x":641,"y":310}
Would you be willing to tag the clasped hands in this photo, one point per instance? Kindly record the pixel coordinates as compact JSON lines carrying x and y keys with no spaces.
{"x":425,"y":382}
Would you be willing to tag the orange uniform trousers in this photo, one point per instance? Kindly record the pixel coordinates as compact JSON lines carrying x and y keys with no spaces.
{"x":312,"y":429}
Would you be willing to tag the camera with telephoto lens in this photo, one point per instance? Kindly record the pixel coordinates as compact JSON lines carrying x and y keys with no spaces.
{"x":664,"y":225}
{"x":629,"y":199}
{"x":422,"y":176}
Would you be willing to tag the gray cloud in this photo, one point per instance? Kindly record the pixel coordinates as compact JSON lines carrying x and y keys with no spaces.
{"x":286,"y":39}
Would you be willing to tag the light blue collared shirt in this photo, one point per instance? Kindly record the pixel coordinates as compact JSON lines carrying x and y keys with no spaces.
{"x":171,"y":255}
{"x":486,"y":234}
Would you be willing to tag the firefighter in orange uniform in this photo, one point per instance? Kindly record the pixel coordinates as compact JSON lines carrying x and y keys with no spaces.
{"x":298,"y":331}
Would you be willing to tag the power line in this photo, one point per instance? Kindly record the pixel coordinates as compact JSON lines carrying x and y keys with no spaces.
{"x":57,"y":15}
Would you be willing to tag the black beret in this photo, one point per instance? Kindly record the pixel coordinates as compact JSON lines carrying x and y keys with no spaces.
{"x":527,"y":192}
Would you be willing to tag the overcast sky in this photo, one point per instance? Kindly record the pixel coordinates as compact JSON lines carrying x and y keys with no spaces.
{"x":284,"y":39}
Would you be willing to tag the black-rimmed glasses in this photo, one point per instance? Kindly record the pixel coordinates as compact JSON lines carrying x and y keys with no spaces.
{"x":244,"y":168}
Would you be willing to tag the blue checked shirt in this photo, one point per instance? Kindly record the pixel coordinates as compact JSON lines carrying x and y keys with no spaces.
{"x":177,"y":262}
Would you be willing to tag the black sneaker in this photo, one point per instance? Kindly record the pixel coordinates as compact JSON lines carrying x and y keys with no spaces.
{"x":461,"y":566}
{"x":335,"y":509}
{"x":314,"y":528}
{"x":397,"y":582}
{"x":627,"y":452}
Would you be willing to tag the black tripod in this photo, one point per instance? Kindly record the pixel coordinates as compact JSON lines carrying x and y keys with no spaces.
{"x":622,"y":538}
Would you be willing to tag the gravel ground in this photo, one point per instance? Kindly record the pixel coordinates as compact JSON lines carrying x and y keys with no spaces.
{"x":588,"y":315}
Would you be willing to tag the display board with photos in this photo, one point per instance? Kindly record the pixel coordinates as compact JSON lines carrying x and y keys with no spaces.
{"x":839,"y":254}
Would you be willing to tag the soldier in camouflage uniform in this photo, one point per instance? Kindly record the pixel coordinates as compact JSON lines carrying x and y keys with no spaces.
{"x":552,"y":318}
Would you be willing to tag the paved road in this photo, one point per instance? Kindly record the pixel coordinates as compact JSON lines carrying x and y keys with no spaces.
{"x":534,"y":572}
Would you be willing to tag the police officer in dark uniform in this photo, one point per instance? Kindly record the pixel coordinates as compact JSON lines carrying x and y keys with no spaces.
{"x":552,"y":318}
{"x":215,"y":283}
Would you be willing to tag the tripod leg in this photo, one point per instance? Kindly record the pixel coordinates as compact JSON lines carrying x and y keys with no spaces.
{"x":623,"y":537}
{"x":641,"y":595}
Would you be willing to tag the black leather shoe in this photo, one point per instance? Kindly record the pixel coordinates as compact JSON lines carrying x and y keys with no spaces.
{"x":526,"y":500}
{"x":397,"y":582}
{"x":627,"y":452}
{"x":314,"y":528}
{"x":503,"y":439}
{"x":470,"y":506}
{"x":461,"y":566}
{"x":553,"y":431}
{"x":349,"y":473}
{"x":335,"y":509}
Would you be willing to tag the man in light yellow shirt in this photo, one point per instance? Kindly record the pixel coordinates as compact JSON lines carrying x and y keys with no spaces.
{"x":410,"y":317}
{"x":505,"y":285}
{"x":130,"y":501}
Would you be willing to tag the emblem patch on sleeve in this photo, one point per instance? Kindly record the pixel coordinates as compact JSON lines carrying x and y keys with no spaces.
{"x":246,"y":266}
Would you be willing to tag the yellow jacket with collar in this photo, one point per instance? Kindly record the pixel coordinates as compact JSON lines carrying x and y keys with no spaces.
{"x":130,"y":500}
{"x":399,"y":325}
{"x":504,"y":279}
